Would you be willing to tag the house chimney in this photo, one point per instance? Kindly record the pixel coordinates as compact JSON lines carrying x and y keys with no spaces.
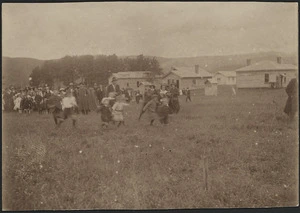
{"x":248,"y":62}
{"x":279,"y":60}
{"x":197,"y":69}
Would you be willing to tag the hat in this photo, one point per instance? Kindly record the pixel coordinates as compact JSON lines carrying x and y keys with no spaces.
{"x":154,"y":96}
{"x":95,"y":84}
{"x":62,"y":89}
{"x":71,"y":84}
{"x":114,"y":79}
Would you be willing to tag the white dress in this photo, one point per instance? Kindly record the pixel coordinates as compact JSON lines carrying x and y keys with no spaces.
{"x":17,"y":103}
{"x":118,"y":111}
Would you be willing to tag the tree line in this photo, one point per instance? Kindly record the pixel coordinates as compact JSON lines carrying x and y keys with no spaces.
{"x":93,"y":69}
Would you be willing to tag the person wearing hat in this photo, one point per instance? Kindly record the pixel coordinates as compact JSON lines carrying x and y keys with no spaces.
{"x":118,"y":109}
{"x":47,"y":95}
{"x":83,"y":101}
{"x":188,"y":95}
{"x":113,"y":87}
{"x":150,"y":109}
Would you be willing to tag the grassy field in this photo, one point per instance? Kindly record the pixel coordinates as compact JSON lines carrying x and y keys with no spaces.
{"x":252,"y":158}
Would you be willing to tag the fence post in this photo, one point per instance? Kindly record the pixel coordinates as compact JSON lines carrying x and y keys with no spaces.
{"x":205,"y":173}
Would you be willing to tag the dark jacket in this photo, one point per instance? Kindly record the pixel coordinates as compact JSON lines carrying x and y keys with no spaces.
{"x":291,"y":103}
{"x":110,"y":88}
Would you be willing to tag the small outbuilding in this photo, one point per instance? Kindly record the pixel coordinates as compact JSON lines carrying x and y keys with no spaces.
{"x":211,"y":87}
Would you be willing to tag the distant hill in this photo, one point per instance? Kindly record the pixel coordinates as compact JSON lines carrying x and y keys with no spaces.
{"x":16,"y":71}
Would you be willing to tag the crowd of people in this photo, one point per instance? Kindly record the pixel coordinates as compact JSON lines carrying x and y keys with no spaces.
{"x":110,"y":101}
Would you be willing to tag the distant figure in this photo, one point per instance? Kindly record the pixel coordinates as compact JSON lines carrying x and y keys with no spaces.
{"x":99,"y":92}
{"x":113,"y":87}
{"x":83,"y":101}
{"x":138,"y":96}
{"x":92,"y":98}
{"x":188,"y":95}
{"x":291,"y":103}
{"x":163,"y":91}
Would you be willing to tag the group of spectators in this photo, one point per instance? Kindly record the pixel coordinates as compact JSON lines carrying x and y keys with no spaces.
{"x":28,"y":99}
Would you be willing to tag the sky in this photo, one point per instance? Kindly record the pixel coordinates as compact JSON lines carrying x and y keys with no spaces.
{"x":166,"y":29}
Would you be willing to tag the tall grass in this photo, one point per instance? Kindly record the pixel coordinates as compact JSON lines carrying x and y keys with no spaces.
{"x":252,"y":158}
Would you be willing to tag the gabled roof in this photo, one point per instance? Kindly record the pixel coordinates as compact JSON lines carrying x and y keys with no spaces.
{"x":212,"y":81}
{"x":267,"y":65}
{"x":189,"y":72}
{"x":132,"y":74}
{"x":227,"y":73}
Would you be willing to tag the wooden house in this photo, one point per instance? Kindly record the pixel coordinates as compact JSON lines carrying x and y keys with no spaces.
{"x":133,"y":79}
{"x":265,"y":74}
{"x":187,"y":77}
{"x":225,"y":77}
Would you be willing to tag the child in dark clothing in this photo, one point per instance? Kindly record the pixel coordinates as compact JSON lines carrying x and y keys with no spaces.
{"x":106,"y":112}
{"x":163,"y":111}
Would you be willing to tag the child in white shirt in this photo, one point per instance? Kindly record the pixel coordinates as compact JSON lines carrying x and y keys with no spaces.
{"x":118,"y":109}
{"x":68,"y":104}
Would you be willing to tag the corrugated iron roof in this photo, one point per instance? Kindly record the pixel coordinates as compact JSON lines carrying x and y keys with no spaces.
{"x":228,"y":73}
{"x":189,"y":72}
{"x":267,"y":65}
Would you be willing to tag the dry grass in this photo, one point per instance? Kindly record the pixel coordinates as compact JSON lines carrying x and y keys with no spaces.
{"x":252,"y":158}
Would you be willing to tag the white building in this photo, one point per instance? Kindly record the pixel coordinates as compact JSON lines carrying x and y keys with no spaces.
{"x":225,"y":77}
{"x":133,"y":79}
{"x":265,"y":74}
{"x":187,"y":77}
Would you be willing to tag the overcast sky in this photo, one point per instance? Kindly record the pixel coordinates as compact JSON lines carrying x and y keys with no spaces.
{"x":50,"y":31}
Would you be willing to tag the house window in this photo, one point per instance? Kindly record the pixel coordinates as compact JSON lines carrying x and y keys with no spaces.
{"x":138,"y":84}
{"x":266,"y":78}
{"x":194,"y":81}
{"x":169,"y":81}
